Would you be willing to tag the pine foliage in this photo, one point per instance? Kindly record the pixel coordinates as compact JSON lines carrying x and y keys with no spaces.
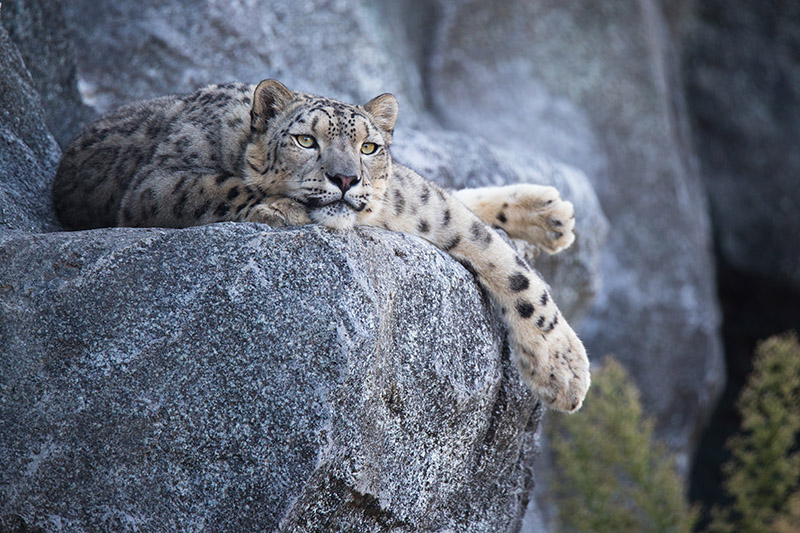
{"x":762,"y":477}
{"x":613,"y":476}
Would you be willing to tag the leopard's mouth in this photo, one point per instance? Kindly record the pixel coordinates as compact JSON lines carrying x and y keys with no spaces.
{"x":337,"y":203}
{"x":354,"y":205}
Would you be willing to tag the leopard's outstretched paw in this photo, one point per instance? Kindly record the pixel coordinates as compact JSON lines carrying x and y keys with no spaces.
{"x":554,"y":363}
{"x":538,"y":215}
{"x":533,"y":213}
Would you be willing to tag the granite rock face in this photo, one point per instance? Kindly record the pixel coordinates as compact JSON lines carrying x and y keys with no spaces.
{"x":134,"y":50}
{"x":237,"y":378}
{"x":576,"y":94}
{"x":748,"y":135}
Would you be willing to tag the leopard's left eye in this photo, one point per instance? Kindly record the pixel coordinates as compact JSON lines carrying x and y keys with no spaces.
{"x":368,"y":148}
{"x":306,"y":141}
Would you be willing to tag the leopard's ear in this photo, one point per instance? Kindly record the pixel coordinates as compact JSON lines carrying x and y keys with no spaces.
{"x":383,"y":110}
{"x":270,"y":98}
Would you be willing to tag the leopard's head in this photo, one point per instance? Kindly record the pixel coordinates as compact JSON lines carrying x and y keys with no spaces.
{"x":330,"y":156}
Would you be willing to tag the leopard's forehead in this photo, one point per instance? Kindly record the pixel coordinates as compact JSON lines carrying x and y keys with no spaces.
{"x":332,"y":117}
{"x":313,"y":100}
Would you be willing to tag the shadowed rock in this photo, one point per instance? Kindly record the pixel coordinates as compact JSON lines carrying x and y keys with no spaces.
{"x":28,"y":153}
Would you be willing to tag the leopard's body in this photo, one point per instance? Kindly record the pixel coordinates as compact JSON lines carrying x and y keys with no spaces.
{"x":235,"y":152}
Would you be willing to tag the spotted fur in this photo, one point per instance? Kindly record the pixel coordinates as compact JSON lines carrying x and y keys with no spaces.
{"x":266,"y":154}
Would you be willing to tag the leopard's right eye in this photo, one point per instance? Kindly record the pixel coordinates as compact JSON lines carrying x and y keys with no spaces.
{"x":306,"y":141}
{"x":368,"y":148}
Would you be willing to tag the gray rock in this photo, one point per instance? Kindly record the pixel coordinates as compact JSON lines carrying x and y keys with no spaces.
{"x":39,"y":30}
{"x":605,"y":103}
{"x":748,"y":135}
{"x":28,"y":153}
{"x":676,"y":12}
{"x":234,"y":378}
{"x":129,"y":51}
{"x":594,"y":85}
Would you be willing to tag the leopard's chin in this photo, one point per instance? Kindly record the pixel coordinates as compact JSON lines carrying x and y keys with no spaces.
{"x":337,"y":215}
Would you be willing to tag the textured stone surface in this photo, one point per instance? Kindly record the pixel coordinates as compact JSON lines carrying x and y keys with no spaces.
{"x":676,"y":12}
{"x":157,"y":379}
{"x":28,"y":153}
{"x":133,"y":50}
{"x":234,"y":378}
{"x":748,"y":135}
{"x":595,"y":84}
{"x":39,"y":30}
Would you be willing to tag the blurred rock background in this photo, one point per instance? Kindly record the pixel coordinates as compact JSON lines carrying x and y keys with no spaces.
{"x":741,"y":69}
{"x":672,"y":125}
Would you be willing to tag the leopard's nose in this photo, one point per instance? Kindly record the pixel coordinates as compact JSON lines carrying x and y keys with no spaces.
{"x":343,"y":182}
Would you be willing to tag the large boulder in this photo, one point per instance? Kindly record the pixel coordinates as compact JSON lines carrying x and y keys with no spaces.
{"x":594,"y":84}
{"x":238,"y":378}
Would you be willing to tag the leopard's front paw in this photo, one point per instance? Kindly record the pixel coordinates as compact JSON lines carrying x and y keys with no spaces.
{"x":280,"y":213}
{"x":556,"y":367}
{"x":538,"y":215}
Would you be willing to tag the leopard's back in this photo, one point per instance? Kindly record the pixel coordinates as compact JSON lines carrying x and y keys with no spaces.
{"x":204,"y":130}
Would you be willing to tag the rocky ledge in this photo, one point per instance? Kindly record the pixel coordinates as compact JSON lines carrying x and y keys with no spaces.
{"x":239,"y":378}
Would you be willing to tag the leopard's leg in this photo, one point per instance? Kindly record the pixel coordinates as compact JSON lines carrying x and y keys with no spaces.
{"x":551,"y":358}
{"x":187,"y":198}
{"x":279,"y":211}
{"x":533,"y":213}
